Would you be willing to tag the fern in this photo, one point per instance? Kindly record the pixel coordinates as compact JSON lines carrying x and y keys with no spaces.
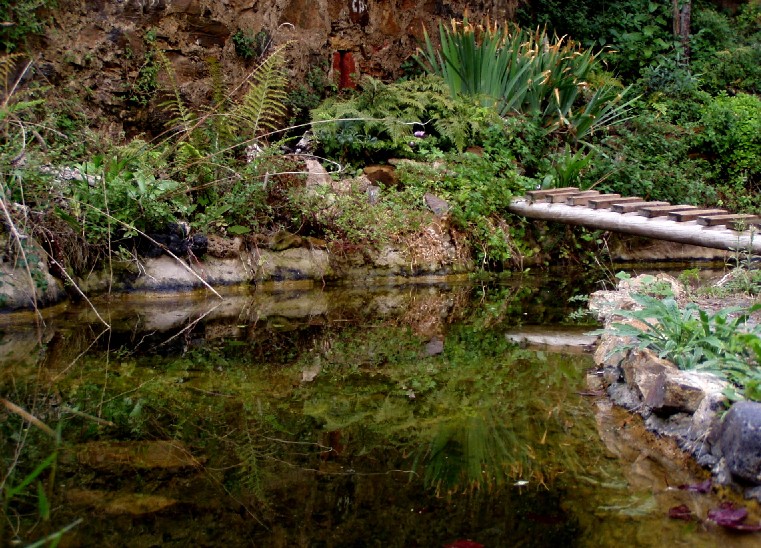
{"x":183,"y":117}
{"x":263,"y":106}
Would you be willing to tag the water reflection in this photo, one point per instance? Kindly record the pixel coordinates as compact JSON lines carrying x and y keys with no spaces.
{"x":393,"y":417}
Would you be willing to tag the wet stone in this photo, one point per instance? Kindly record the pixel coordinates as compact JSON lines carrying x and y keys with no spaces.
{"x":740,"y":441}
{"x":143,"y":455}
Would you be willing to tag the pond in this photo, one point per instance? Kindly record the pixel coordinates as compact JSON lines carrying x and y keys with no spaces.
{"x":328,"y":417}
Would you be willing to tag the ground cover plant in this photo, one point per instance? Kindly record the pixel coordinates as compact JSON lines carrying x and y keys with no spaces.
{"x":722,"y":342}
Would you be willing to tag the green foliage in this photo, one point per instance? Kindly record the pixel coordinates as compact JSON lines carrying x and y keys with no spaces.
{"x":478,"y":190}
{"x":124,"y":185}
{"x":526,"y":72}
{"x":21,"y":20}
{"x":249,"y":45}
{"x":723,"y":343}
{"x":143,"y":89}
{"x":262,"y":108}
{"x":307,"y":96}
{"x":379,"y":122}
{"x":731,"y":137}
{"x":651,"y":158}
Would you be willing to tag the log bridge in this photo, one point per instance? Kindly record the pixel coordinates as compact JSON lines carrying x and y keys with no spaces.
{"x":715,"y":228}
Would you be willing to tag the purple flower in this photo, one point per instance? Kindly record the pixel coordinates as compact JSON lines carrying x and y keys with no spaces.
{"x":419,"y":134}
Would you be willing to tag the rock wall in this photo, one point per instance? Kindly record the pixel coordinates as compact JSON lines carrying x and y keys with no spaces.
{"x":97,"y":50}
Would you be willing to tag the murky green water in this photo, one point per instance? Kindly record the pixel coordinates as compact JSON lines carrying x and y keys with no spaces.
{"x":327,"y":418}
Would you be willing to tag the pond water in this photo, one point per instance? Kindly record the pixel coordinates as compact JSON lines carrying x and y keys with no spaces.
{"x":330,"y":417}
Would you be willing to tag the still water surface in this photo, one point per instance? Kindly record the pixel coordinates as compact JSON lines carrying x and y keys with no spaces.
{"x":334,"y":417}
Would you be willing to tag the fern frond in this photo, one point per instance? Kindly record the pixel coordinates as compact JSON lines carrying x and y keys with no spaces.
{"x":183,"y":117}
{"x":263,"y":106}
{"x":7,"y":64}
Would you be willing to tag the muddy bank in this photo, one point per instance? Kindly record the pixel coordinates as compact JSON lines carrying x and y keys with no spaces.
{"x":691,"y":407}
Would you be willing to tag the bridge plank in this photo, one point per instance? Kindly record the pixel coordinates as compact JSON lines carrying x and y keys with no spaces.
{"x":563,"y":198}
{"x":692,"y":214}
{"x":729,"y":219}
{"x":634,"y":206}
{"x":606,"y":202}
{"x":662,"y":211}
{"x":538,"y":195}
{"x":582,"y":199}
{"x":659,"y":228}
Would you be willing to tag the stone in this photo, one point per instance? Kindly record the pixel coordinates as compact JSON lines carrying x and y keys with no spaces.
{"x":667,"y":390}
{"x":740,"y":441}
{"x":434,"y":347}
{"x":316,"y":174}
{"x":436,"y":204}
{"x":140,"y":455}
{"x":282,"y":240}
{"x":384,"y":174}
{"x":224,"y":248}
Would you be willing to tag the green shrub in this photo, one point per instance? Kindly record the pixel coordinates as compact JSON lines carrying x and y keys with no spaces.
{"x":527,"y":72}
{"x":379,"y":122}
{"x":731,"y":137}
{"x":652,"y":159}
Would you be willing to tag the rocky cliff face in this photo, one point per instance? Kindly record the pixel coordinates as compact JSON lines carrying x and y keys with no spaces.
{"x":100,"y":50}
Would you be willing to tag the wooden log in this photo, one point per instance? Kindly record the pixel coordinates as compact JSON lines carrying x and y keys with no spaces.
{"x":692,"y":214}
{"x":583,"y":200}
{"x":663,"y":211}
{"x":606,"y":202}
{"x":658,"y":228}
{"x":728,"y":219}
{"x":633,"y":206}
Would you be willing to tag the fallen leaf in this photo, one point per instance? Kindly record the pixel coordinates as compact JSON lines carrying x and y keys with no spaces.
{"x":681,"y":512}
{"x":702,"y":487}
{"x":728,"y":515}
{"x":464,"y":543}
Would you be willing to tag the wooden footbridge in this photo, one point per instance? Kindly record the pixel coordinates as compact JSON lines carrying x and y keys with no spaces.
{"x":715,"y":228}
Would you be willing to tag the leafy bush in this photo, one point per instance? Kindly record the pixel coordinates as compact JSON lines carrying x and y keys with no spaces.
{"x":652,"y":159}
{"x":731,"y":137}
{"x":21,"y":21}
{"x":379,"y":122}
{"x":526,"y":72}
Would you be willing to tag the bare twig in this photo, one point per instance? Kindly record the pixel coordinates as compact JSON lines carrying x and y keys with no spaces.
{"x":13,"y":408}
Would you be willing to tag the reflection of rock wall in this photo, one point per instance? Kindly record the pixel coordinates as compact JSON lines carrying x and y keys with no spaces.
{"x":100,"y":45}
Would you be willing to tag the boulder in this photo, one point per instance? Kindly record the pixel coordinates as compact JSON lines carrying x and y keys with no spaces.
{"x":740,"y":441}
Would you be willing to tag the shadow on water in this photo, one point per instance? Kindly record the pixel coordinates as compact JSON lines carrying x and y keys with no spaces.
{"x":393,"y":416}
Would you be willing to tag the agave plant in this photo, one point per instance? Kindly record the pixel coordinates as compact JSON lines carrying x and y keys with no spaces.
{"x":515,"y":70}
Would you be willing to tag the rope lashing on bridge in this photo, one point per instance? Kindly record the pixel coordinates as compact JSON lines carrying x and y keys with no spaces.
{"x":714,"y":228}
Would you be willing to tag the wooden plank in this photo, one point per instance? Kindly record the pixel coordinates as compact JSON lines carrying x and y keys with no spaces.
{"x":584,"y":200}
{"x":606,"y":202}
{"x":571,"y":200}
{"x":663,"y":211}
{"x":728,"y":219}
{"x":744,"y":225}
{"x":634,"y":206}
{"x":563,"y":198}
{"x":692,"y":214}
{"x":537,"y":195}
